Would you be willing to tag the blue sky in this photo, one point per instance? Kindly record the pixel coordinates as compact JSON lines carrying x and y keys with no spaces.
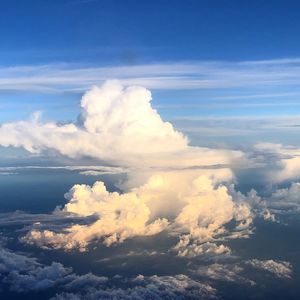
{"x":144,"y":31}
{"x":199,"y":58}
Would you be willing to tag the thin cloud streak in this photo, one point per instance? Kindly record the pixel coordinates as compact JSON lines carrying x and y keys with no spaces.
{"x":63,"y":77}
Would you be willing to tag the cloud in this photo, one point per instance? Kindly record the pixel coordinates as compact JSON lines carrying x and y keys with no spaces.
{"x":285,"y":199}
{"x":95,"y":173}
{"x":280,"y":269}
{"x":173,"y":187}
{"x":274,"y":203}
{"x":56,"y":219}
{"x":83,"y":170}
{"x":223,"y":272}
{"x":120,"y":216}
{"x":290,"y":169}
{"x":117,"y":125}
{"x":58,"y":78}
{"x":23,"y":274}
{"x":8,"y":173}
{"x":235,"y":272}
{"x":188,"y":204}
{"x":254,"y":127}
{"x":259,"y":206}
{"x":284,"y":160}
{"x":204,"y":217}
{"x":193,"y":248}
{"x":152,"y":287}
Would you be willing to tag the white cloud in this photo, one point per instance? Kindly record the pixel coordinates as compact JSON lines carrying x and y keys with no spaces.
{"x":24,"y":218}
{"x":23,"y":274}
{"x":209,"y":208}
{"x":83,"y":170}
{"x":235,"y":272}
{"x":94,"y":173}
{"x":152,"y":287}
{"x":282,"y":165}
{"x":284,"y":160}
{"x":259,"y":206}
{"x":117,"y":125}
{"x":223,"y":272}
{"x":55,"y":78}
{"x":192,"y":248}
{"x":281,"y":269}
{"x":7,"y":173}
{"x":285,"y":199}
{"x":290,"y":169}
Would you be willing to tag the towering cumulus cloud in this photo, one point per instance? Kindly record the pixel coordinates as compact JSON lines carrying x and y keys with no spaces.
{"x":197,"y":210}
{"x":118,"y":125}
{"x":120,"y":216}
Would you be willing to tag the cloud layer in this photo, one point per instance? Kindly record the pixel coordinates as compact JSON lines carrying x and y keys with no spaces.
{"x":24,"y":275}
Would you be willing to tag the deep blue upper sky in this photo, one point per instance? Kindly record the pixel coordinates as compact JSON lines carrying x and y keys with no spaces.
{"x":137,"y":31}
{"x":75,"y":34}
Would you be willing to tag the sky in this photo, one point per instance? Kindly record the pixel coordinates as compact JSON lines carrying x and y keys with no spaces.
{"x":149,"y":149}
{"x":199,"y":58}
{"x":144,"y":31}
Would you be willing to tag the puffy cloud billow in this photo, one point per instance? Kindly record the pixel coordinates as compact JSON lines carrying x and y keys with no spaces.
{"x":120,"y":216}
{"x":24,"y":274}
{"x":281,"y":269}
{"x":283,"y":161}
{"x":116,"y":124}
{"x":194,"y":207}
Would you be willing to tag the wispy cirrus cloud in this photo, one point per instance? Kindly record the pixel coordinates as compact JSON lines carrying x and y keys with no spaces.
{"x":56,"y":78}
